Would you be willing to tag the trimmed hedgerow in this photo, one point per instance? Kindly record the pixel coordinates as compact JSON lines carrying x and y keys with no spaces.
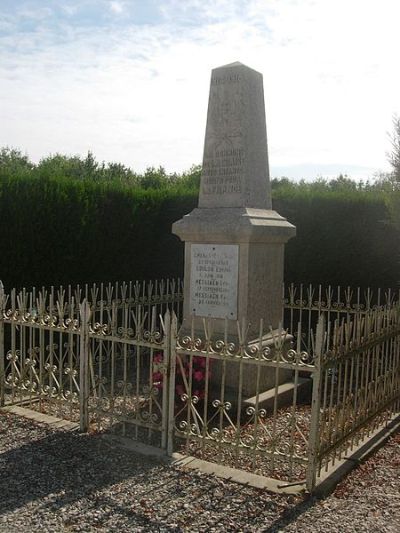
{"x":342,"y":239}
{"x":71,"y":220}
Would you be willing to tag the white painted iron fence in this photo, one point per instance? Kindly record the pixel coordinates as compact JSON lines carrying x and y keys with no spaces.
{"x":113,"y":359}
{"x":305,"y":304}
{"x":264,"y":432}
{"x":356,"y":386}
{"x":87,"y":354}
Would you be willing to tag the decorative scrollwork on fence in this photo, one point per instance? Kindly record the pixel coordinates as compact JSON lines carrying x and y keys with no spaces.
{"x":275,"y":350}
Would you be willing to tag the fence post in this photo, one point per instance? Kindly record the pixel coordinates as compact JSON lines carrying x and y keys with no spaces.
{"x":2,"y":362}
{"x":84,"y":308}
{"x":171,"y":383}
{"x":165,"y":378}
{"x":313,"y":444}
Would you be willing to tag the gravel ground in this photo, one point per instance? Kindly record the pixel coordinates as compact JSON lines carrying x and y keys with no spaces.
{"x":52,"y":480}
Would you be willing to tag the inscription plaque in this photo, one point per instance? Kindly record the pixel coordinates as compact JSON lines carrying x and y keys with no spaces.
{"x":214,"y":280}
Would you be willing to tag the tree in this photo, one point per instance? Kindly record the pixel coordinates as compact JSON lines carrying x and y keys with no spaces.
{"x":394,"y":155}
{"x":393,"y":193}
{"x":14,"y":163}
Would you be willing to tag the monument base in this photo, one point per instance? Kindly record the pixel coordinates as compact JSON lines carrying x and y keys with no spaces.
{"x":251,"y":287}
{"x":283,"y":395}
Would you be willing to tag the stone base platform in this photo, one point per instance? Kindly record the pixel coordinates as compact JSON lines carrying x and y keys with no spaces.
{"x":284,"y":392}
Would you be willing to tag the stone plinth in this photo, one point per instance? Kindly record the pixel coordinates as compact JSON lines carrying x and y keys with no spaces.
{"x":234,"y":241}
{"x":259,"y":236}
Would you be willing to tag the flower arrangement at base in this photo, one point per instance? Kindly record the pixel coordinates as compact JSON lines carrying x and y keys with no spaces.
{"x":196,"y":369}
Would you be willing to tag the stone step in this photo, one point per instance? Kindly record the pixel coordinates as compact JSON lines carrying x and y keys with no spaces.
{"x":284,"y":393}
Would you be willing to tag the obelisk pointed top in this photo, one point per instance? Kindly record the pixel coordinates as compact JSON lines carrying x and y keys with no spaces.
{"x":234,"y":64}
{"x":235,"y":163}
{"x":237,"y":64}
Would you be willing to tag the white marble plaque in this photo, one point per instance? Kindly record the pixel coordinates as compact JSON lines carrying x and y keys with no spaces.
{"x":214,"y":280}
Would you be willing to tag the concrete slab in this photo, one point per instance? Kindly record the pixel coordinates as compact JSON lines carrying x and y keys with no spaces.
{"x":239,"y":476}
{"x":284,"y":393}
{"x":328,"y":480}
{"x":41,"y":417}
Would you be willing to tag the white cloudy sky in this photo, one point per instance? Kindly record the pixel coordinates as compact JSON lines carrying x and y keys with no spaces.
{"x":128,"y":79}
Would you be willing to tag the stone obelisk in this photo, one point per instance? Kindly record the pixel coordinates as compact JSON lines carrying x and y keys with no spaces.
{"x":234,"y":241}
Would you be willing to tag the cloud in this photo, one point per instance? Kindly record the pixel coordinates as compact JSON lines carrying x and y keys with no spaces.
{"x":70,"y":9}
{"x":116,"y":7}
{"x":137,"y":92}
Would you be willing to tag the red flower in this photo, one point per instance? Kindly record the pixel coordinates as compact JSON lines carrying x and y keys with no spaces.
{"x":193,"y":369}
{"x":157,"y":376}
{"x":198,"y":375}
{"x":158,"y":357}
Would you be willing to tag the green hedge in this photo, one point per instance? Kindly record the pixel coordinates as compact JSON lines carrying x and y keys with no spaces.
{"x":341,"y":240}
{"x":60,"y":227}
{"x":58,"y":232}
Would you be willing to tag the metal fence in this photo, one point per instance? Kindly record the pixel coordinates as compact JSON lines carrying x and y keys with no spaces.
{"x":88,"y":353}
{"x":357,"y":383}
{"x":289,"y":405}
{"x":305,"y":303}
{"x":214,"y":418}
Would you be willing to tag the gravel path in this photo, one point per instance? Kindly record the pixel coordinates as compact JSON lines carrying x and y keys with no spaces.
{"x":52,"y":480}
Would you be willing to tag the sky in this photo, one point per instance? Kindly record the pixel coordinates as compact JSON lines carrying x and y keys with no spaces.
{"x":129,"y":79}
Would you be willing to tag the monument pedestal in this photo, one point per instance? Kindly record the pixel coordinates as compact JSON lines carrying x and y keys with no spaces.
{"x":255,"y":292}
{"x":234,"y":275}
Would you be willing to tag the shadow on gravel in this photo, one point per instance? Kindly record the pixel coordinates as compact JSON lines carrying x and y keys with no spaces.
{"x":290,"y":515}
{"x":64,"y":467}
{"x":84,"y":482}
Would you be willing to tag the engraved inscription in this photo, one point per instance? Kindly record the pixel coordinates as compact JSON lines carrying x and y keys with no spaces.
{"x":223,"y":164}
{"x":220,"y":80}
{"x":214,"y":280}
{"x":223,"y":172}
